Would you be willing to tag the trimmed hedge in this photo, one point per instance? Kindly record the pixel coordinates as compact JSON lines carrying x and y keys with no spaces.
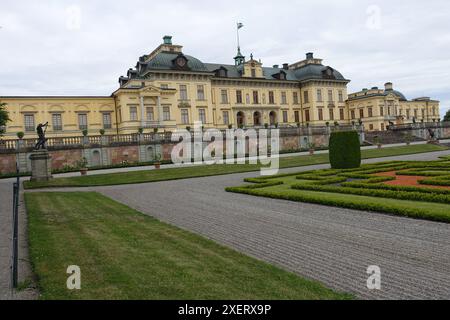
{"x":372,"y":185}
{"x":400,"y":195}
{"x":423,"y":173}
{"x":378,"y":206}
{"x":345,"y":150}
{"x":441,"y":181}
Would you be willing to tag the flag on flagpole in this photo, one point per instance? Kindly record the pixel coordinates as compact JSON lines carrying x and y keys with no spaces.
{"x":240,"y":25}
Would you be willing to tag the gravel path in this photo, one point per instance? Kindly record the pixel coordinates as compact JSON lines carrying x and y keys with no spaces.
{"x":331,"y":245}
{"x":24,"y":269}
{"x":5,"y":238}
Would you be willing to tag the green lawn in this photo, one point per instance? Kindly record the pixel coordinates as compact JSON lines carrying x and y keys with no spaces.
{"x":192,"y":172}
{"x":329,"y":187}
{"x":124,"y":254}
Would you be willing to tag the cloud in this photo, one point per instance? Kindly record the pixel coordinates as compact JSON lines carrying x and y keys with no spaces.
{"x":82,"y":47}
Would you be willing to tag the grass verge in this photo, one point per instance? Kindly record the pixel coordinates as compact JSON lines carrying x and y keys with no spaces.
{"x":124,"y":254}
{"x":203,"y":171}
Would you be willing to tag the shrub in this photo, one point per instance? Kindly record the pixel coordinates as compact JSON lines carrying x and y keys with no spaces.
{"x":441,"y":181}
{"x":367,"y":185}
{"x":377,"y":206}
{"x":345,"y":150}
{"x":20,"y":135}
{"x":102,"y":132}
{"x":379,"y":193}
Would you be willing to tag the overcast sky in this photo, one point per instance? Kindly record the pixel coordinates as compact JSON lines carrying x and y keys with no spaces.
{"x":81,"y":47}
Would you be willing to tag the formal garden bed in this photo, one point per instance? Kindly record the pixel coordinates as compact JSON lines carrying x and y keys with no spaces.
{"x":417,"y":189}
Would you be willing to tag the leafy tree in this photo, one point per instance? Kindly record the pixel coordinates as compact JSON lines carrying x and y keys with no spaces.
{"x":4,"y":117}
{"x":447,"y":116}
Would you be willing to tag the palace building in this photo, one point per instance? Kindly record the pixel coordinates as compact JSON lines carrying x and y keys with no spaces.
{"x":378,"y":108}
{"x":168,"y":89}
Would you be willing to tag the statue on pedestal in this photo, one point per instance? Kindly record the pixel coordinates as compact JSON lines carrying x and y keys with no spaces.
{"x":41,"y":134}
{"x":433,"y":139}
{"x":432,"y":134}
{"x":41,"y":161}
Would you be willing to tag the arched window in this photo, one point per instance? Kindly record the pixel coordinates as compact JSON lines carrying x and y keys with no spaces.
{"x":257,"y":118}
{"x":240,"y":119}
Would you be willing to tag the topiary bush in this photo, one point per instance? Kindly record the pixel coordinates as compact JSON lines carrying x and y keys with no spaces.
{"x":345,"y":150}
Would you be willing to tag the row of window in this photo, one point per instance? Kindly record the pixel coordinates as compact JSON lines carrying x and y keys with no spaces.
{"x":185,"y":116}
{"x":200,"y":92}
{"x":149,"y":113}
{"x":256,"y":97}
{"x":331,"y":115}
{"x":183,"y":91}
{"x":57,"y":123}
{"x":389,"y":110}
{"x":320,"y":97}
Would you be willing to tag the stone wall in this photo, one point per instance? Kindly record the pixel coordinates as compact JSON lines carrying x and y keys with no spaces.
{"x":102,"y":151}
{"x":61,"y":158}
{"x":7,"y":163}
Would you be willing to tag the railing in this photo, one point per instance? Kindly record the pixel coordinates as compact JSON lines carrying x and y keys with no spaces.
{"x":419,"y":125}
{"x":7,"y":144}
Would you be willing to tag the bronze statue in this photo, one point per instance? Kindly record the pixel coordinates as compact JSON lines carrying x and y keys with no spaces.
{"x":41,"y":134}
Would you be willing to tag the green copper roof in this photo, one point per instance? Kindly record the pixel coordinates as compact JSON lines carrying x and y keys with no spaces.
{"x":164,"y":61}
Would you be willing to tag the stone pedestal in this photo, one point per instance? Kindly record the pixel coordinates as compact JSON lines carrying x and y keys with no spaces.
{"x":41,"y":166}
{"x":435,"y":142}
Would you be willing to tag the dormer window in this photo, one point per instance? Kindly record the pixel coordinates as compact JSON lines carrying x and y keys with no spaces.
{"x":180,"y":62}
{"x":328,"y":73}
{"x":221,"y":73}
{"x":280,"y":76}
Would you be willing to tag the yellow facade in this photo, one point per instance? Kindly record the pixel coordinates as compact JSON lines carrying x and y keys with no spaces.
{"x":168,"y":89}
{"x":378,"y":108}
{"x":62,"y":113}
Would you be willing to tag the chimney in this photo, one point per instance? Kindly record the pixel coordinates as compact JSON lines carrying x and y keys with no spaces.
{"x":167,"y":40}
{"x":309,"y":56}
{"x":388,"y":86}
{"x":286,"y":66}
{"x":275,"y":66}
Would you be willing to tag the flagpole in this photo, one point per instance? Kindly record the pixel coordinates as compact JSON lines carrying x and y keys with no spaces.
{"x":237,"y":27}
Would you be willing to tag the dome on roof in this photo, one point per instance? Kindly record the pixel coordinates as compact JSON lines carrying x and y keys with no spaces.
{"x":400,"y":95}
{"x":316,"y":71}
{"x":164,"y":61}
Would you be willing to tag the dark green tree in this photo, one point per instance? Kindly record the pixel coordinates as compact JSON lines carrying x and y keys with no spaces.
{"x":4,"y":117}
{"x":447,"y":116}
{"x":345,"y":150}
